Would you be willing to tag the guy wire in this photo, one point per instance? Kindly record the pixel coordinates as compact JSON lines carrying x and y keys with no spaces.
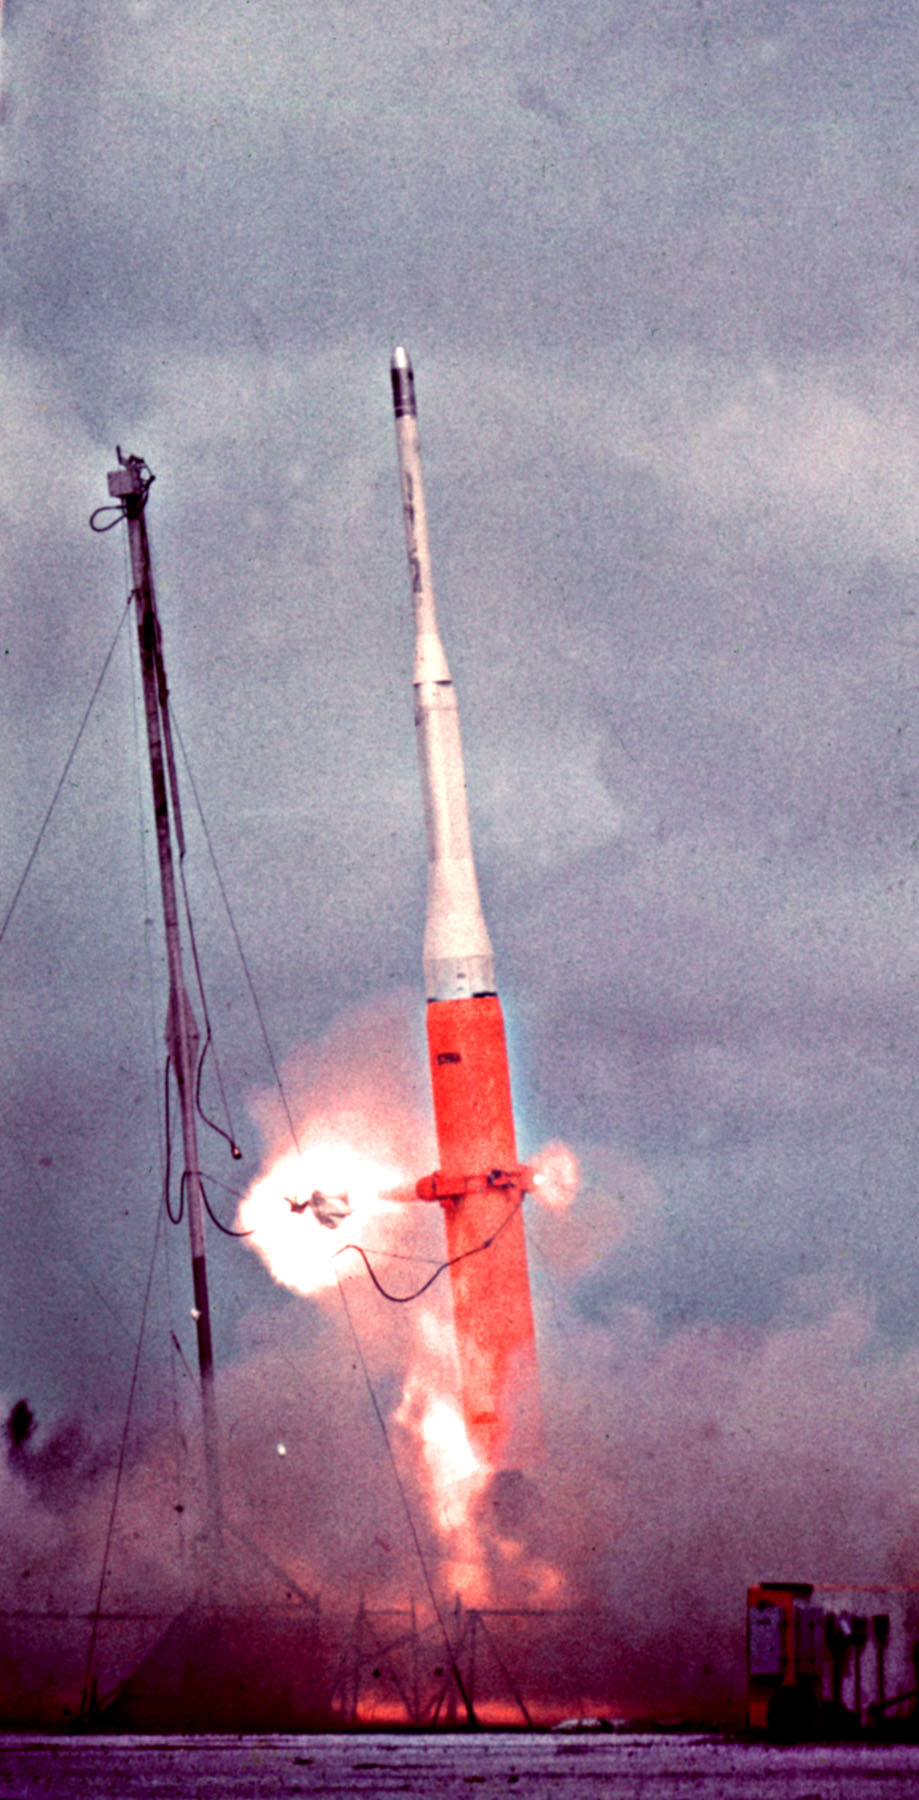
{"x":467,"y":1702}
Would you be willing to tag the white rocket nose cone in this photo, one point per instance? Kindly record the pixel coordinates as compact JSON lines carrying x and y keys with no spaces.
{"x":403,"y":384}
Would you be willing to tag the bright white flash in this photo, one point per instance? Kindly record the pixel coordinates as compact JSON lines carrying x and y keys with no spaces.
{"x":298,"y":1215}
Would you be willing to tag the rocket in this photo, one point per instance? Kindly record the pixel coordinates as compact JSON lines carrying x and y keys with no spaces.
{"x":479,"y":1184}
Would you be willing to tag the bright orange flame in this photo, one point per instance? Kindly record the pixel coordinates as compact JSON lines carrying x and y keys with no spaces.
{"x":557,"y":1176}
{"x":452,"y":1475}
{"x":447,"y":1449}
{"x":296,"y":1248}
{"x":431,"y":1413}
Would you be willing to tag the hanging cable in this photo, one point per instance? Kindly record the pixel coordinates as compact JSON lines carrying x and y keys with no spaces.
{"x":139,"y":465}
{"x":229,"y":1135}
{"x":175,"y":1218}
{"x":409,"y":1256}
{"x":165,"y":715}
{"x":195,"y":1175}
{"x":404,"y":1299}
{"x":100,"y":513}
{"x":451,"y":1658}
{"x":212,"y":1124}
{"x":239,"y":948}
{"x":64,"y":773}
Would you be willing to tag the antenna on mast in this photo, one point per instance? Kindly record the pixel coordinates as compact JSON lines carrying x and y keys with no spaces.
{"x":130,"y":484}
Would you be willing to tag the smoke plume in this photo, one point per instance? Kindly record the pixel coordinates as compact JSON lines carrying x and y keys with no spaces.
{"x":679,"y":1465}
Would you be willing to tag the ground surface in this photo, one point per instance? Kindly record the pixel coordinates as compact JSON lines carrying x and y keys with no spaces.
{"x":445,"y":1768}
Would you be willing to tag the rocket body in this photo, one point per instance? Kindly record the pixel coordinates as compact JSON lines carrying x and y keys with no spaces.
{"x":479,"y":1182}
{"x":458,"y":959}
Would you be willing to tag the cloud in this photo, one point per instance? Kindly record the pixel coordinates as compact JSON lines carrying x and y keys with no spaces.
{"x":655,"y":275}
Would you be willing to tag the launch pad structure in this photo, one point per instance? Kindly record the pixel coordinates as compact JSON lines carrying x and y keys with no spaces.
{"x":393,"y":1670}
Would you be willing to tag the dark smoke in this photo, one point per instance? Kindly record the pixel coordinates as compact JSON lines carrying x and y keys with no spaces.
{"x":58,"y":1467}
{"x":19,"y":1427}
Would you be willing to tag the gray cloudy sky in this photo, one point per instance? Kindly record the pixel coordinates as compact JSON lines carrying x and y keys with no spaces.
{"x":656,"y":267}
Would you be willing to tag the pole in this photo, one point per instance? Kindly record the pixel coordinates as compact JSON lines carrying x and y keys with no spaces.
{"x":130,"y":484}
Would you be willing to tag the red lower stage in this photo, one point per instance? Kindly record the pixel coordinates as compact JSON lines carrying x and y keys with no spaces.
{"x":491,"y":1289}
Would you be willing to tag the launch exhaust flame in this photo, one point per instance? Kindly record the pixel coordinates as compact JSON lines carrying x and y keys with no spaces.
{"x":430,"y":1414}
